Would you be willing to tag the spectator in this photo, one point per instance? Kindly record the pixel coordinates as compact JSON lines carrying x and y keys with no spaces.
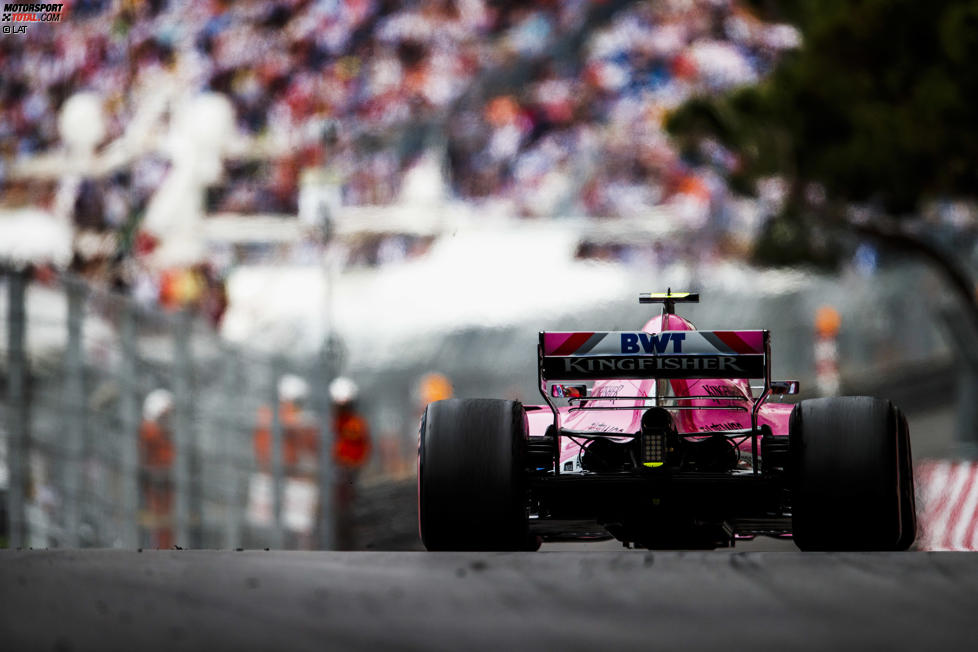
{"x":584,"y":135}
{"x":300,"y":434}
{"x":351,"y":450}
{"x":300,"y":459}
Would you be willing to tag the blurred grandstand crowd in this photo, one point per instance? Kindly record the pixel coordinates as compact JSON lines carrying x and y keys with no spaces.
{"x":350,"y":84}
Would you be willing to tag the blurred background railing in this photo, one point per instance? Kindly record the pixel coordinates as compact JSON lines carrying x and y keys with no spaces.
{"x":137,"y":427}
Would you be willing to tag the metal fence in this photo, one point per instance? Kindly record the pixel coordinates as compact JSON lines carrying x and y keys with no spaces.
{"x":78,"y":366}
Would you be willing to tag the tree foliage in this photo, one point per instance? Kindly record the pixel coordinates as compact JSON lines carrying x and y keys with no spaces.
{"x":879,"y":106}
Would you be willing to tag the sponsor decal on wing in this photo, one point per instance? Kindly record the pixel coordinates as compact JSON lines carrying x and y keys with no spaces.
{"x":641,"y":343}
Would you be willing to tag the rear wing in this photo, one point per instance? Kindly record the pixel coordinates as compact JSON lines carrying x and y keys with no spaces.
{"x":665,"y":355}
{"x":662,"y":356}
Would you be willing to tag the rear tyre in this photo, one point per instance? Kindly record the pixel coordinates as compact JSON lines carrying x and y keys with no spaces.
{"x":852,"y":486}
{"x":908,"y":504}
{"x":471,"y":480}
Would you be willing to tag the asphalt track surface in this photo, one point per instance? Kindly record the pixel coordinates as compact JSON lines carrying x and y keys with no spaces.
{"x":257,"y":600}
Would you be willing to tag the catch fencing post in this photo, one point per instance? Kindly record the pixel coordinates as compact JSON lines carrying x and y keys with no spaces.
{"x":278,"y":486}
{"x":17,"y":409}
{"x":326,"y":367}
{"x":963,"y":336}
{"x":129,"y":422}
{"x":73,"y":409}
{"x":183,"y":425}
{"x":229,"y":441}
{"x":966,"y":437}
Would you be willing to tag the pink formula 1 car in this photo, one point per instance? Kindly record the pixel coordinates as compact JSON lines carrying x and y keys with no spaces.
{"x":662,"y":442}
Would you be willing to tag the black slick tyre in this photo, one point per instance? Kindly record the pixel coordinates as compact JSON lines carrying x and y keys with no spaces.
{"x":471,"y":479}
{"x":908,"y":503}
{"x":852,"y":486}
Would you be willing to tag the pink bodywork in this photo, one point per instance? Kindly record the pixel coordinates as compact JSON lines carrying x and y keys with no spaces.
{"x":729,"y":393}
